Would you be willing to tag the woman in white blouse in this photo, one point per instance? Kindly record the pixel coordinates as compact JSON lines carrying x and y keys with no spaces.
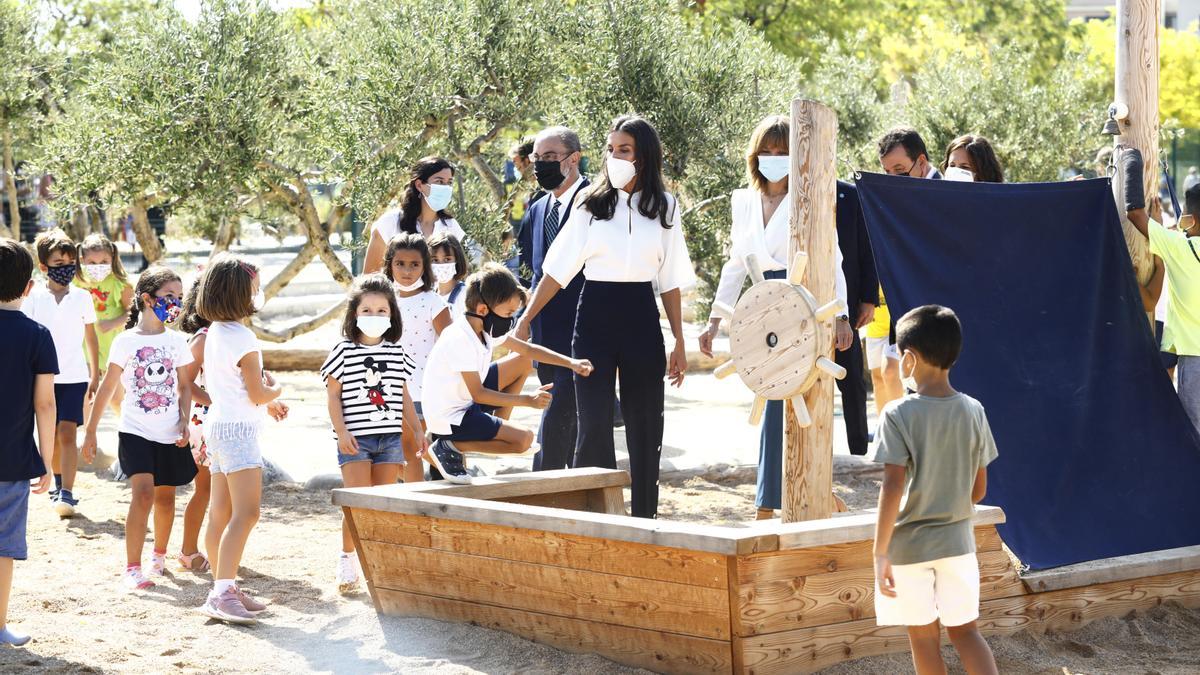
{"x":626,"y":237}
{"x":422,"y":210}
{"x":761,"y":227}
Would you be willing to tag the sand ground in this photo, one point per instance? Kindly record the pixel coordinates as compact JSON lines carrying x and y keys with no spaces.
{"x":68,"y":596}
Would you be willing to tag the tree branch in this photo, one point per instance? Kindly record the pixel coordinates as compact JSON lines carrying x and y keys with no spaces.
{"x":299,"y":328}
{"x":289,"y":272}
{"x":704,"y":205}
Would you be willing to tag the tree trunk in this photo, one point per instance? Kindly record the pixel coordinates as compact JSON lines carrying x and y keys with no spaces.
{"x":225,"y":235}
{"x":147,"y":239}
{"x":1137,"y":88}
{"x":317,"y":236}
{"x":303,"y":257}
{"x":490,"y":179}
{"x":13,"y":231}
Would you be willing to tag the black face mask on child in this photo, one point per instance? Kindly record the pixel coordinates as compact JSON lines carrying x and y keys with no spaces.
{"x":494,"y":324}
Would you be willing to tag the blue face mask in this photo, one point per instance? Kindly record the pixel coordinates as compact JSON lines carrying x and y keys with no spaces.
{"x":774,"y":167}
{"x":439,"y":196}
{"x":166,"y":309}
{"x":61,"y":274}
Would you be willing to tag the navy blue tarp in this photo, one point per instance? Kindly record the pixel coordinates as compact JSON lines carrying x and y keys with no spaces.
{"x":1097,"y":457}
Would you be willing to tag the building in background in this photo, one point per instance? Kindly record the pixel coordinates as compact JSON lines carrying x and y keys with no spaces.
{"x":1177,"y":14}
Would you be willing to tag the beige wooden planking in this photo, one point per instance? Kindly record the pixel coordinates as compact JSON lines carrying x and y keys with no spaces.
{"x":821,"y":559}
{"x":796,"y":602}
{"x":578,"y":500}
{"x":810,"y":649}
{"x":1136,"y":85}
{"x":358,"y":547}
{"x":1120,"y":568}
{"x":856,"y":527}
{"x":627,"y":601}
{"x":691,"y":536}
{"x":808,"y":452}
{"x":609,"y":500}
{"x":518,"y":484}
{"x":694,"y":568}
{"x":653,"y":650}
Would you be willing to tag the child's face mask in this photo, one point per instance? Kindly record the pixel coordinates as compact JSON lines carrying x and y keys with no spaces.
{"x":166,"y":310}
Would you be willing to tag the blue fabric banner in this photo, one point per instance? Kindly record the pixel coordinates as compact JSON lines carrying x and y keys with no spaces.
{"x":1097,"y":456}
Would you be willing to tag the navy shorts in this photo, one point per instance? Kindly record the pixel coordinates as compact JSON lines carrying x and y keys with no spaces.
{"x":478,"y":423}
{"x":1169,"y":359}
{"x":376,"y":449}
{"x":69,"y":400}
{"x":14,"y":512}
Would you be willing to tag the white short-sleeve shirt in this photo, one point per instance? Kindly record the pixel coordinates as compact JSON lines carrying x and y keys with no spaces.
{"x":226,"y":344}
{"x":628,"y":247}
{"x":417,"y":335}
{"x":149,"y":372}
{"x":769,"y":243}
{"x":66,"y":321}
{"x":388,"y":226}
{"x":459,"y":350}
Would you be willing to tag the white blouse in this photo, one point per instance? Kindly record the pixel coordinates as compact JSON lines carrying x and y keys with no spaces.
{"x":628,"y":247}
{"x":770,"y":244}
{"x":388,"y":226}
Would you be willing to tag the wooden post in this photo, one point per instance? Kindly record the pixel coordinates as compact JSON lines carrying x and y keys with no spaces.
{"x":1138,"y":23}
{"x":808,"y":452}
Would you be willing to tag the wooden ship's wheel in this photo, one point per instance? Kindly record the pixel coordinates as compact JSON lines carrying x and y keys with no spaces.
{"x":779,"y":338}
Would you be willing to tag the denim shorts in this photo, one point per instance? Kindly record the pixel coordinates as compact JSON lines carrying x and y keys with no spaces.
{"x":230,"y":455}
{"x":14,"y":512}
{"x":376,"y":449}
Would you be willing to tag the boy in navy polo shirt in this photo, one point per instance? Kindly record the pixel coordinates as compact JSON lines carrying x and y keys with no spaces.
{"x":28,"y":364}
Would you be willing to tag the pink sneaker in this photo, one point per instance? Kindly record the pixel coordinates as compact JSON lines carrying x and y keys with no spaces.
{"x":249,"y":603}
{"x":227,"y":607}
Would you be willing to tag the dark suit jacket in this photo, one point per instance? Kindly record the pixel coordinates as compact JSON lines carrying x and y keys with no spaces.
{"x":858,"y":262}
{"x":553,"y":327}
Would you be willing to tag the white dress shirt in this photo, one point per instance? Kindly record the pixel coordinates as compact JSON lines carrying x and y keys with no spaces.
{"x":629,"y":247}
{"x":565,"y":200}
{"x":769,"y":243}
{"x":388,"y":226}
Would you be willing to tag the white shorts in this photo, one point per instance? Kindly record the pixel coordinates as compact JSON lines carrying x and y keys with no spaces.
{"x":945,"y":589}
{"x":879,"y":349}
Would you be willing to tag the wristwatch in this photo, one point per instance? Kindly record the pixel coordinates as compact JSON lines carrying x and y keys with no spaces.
{"x":843,"y":317}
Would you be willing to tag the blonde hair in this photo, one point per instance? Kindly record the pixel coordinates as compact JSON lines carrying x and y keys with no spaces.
{"x":98,"y":242}
{"x":774,"y":130}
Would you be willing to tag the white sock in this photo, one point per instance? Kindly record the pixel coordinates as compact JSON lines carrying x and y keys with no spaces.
{"x":349,"y":554}
{"x":222,"y":585}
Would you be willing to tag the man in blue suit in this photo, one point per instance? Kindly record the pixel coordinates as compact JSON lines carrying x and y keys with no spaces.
{"x":862,"y":296}
{"x":556,"y":156}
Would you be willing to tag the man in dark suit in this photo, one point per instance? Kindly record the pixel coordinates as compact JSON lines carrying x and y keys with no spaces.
{"x":556,"y":156}
{"x":862,"y":296}
{"x":902,"y":152}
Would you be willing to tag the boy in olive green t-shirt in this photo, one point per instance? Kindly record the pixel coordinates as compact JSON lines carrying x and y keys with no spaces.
{"x":935,"y":445}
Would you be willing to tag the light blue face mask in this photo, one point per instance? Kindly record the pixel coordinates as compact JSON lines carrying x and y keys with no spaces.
{"x":439,"y":196}
{"x":774,"y":167}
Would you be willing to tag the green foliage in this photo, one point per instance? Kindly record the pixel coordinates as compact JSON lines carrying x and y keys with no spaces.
{"x":1036,"y":129}
{"x":26,"y":71}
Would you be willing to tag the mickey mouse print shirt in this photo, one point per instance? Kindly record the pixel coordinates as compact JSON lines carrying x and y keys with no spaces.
{"x":149,"y":374}
{"x":372,"y":379}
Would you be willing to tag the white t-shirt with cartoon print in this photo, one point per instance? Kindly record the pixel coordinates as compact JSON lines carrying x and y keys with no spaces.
{"x":148,"y":372}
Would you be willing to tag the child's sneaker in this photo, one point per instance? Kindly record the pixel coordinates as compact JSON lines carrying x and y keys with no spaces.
{"x":158,"y":565}
{"x":134,"y":580}
{"x":253,"y":606}
{"x":227,"y":607}
{"x":347,"y":573}
{"x":446,"y":458}
{"x":65,"y":503}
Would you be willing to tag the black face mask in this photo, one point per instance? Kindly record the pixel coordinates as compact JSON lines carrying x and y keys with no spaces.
{"x":549,"y":174}
{"x":494,"y":324}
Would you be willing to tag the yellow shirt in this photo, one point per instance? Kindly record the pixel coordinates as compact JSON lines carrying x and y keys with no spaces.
{"x":1181,"y":255}
{"x":882,"y":325}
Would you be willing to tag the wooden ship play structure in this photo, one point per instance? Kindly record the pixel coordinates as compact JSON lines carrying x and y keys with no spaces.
{"x":554,"y":558}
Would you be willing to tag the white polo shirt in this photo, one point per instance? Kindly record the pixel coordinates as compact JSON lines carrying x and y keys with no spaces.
{"x":458,"y":350}
{"x":66,"y":321}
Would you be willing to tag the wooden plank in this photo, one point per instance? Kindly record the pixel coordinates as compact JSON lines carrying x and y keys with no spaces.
{"x":807,"y":455}
{"x":576,"y":500}
{"x":349,"y":516}
{"x":805,"y":562}
{"x":734,"y":584}
{"x":810,"y":649}
{"x":653,"y":650}
{"x":856,"y":527}
{"x":781,"y":604}
{"x":610,"y":598}
{"x":608,"y":500}
{"x":512,"y":484}
{"x":674,"y":534}
{"x":1124,"y":567}
{"x":548,"y":548}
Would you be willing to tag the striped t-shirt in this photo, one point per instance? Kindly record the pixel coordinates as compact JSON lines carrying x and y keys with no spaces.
{"x":372,"y":379}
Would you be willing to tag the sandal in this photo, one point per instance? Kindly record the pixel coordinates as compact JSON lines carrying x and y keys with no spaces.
{"x":189,"y":562}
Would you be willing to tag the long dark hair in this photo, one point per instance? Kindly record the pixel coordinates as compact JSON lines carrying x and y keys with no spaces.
{"x":190,"y":321}
{"x":149,"y":282}
{"x":983,"y":158}
{"x":600,"y":199}
{"x":410,"y":242}
{"x":410,"y":201}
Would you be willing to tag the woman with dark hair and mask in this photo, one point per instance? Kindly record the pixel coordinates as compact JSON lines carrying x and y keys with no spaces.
{"x":972,"y":159}
{"x":422,"y":210}
{"x":625,"y":235}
